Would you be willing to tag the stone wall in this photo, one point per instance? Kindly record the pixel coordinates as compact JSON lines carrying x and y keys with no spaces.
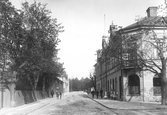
{"x":25,"y":97}
{"x":20,"y":97}
{"x":5,"y":94}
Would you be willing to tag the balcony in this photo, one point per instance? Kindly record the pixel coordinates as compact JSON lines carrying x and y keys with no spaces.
{"x":126,"y":64}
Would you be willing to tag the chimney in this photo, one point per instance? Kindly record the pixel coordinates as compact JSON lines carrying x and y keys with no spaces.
{"x":151,"y":11}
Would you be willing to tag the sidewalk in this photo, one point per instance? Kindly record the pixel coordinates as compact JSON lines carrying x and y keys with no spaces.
{"x":115,"y":104}
{"x":30,"y":106}
{"x":26,"y":107}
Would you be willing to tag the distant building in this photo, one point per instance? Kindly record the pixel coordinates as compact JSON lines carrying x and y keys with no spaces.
{"x":65,"y":85}
{"x":62,"y":84}
{"x":117,"y":74}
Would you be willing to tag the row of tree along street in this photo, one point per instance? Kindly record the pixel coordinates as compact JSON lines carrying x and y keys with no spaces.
{"x":28,"y":45}
{"x":83,"y":84}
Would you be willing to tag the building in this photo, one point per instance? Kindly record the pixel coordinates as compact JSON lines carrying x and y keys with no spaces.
{"x":65,"y":85}
{"x":117,"y":69}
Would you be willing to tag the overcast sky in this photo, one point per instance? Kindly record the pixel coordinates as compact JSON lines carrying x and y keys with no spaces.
{"x":84,"y":24}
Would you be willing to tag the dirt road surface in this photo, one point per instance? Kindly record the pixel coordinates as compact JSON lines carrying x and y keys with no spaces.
{"x":79,"y":103}
{"x":74,"y":103}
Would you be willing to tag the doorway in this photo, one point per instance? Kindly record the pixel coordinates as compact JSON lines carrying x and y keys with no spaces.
{"x":121,"y":87}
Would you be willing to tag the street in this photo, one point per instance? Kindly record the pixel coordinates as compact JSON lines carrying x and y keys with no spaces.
{"x":79,"y":103}
{"x":75,"y":103}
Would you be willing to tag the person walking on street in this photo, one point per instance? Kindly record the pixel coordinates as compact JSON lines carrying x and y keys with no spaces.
{"x":101,"y":93}
{"x":52,"y":93}
{"x":92,"y":92}
{"x":60,"y":94}
{"x":57,"y":92}
{"x":97,"y":94}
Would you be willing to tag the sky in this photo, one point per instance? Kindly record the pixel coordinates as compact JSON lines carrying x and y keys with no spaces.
{"x":85,"y":22}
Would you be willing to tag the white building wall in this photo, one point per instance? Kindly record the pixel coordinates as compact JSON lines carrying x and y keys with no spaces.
{"x":148,"y":87}
{"x":66,"y":85}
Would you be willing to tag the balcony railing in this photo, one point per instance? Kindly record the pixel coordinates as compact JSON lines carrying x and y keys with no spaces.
{"x":130,"y":63}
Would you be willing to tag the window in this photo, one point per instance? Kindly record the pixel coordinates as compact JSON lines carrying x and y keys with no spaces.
{"x":108,"y":86}
{"x":156,"y":82}
{"x":125,"y":56}
{"x":113,"y":84}
{"x":156,"y":86}
{"x":134,"y":84}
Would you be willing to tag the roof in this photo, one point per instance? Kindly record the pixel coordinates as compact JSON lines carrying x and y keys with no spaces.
{"x":146,"y":22}
{"x":59,"y":79}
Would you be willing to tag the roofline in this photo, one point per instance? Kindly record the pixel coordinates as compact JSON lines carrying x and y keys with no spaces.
{"x":140,"y":27}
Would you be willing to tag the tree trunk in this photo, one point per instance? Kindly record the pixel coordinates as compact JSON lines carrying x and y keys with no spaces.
{"x":163,"y":83}
{"x":36,"y":81}
{"x":43,"y":89}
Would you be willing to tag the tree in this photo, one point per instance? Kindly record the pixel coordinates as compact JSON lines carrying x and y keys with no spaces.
{"x":93,"y":80}
{"x":29,"y":40}
{"x":9,"y":25}
{"x":80,"y":85}
{"x":39,"y":45}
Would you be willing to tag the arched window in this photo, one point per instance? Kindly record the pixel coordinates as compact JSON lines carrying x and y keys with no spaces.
{"x":134,"y":84}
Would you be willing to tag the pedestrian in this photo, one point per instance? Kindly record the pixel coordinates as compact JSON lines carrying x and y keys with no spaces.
{"x":97,"y":94}
{"x":108,"y":95}
{"x":101,"y":93}
{"x":60,"y":94}
{"x":93,"y":93}
{"x":57,"y":92}
{"x":52,"y":93}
